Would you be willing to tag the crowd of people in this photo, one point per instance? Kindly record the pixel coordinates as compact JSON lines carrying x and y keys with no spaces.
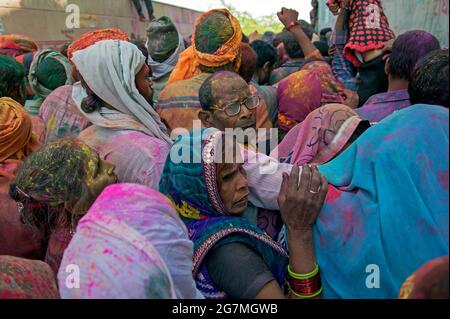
{"x":116,"y":158}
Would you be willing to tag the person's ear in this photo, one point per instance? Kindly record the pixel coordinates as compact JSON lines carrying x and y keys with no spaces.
{"x":266,"y":67}
{"x":206,"y":118}
{"x":387,"y":66}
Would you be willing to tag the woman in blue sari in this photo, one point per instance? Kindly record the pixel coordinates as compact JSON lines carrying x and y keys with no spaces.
{"x":234,"y":258}
{"x":386,"y":211}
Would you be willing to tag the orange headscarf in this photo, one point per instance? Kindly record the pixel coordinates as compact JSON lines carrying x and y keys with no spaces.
{"x":16,"y":44}
{"x":190,"y":60}
{"x":16,"y":137}
{"x":93,"y":37}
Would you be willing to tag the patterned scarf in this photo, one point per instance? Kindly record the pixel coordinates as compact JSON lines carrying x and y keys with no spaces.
{"x":192,"y":185}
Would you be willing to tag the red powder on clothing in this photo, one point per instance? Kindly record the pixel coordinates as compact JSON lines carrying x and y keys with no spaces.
{"x":443,"y":178}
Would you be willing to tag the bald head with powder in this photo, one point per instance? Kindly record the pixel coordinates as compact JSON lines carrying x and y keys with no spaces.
{"x":216,"y":93}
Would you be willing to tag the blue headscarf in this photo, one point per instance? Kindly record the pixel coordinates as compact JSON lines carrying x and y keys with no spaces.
{"x":388,"y":212}
{"x":191,"y":183}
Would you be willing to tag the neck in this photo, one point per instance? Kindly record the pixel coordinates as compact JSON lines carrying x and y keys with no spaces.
{"x":397,"y":84}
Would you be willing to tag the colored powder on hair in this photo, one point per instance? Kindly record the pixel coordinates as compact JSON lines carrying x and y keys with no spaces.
{"x":51,"y":73}
{"x":214,"y":31}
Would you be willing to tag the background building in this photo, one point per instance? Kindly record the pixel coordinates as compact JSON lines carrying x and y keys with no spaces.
{"x":45,"y":20}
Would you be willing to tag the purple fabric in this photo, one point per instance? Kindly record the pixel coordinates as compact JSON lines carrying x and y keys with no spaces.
{"x":61,"y":115}
{"x":381,"y":105}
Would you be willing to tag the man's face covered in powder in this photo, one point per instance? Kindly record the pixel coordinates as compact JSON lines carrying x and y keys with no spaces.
{"x":227,"y":91}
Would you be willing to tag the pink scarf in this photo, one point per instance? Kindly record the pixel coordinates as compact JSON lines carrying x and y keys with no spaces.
{"x":320,"y":137}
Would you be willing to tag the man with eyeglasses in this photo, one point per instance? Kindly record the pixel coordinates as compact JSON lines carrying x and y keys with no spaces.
{"x":227,"y":102}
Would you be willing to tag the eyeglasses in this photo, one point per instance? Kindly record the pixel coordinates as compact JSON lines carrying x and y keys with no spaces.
{"x":234,"y":108}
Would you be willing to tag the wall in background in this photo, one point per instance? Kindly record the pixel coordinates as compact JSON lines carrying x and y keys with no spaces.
{"x":405,"y":15}
{"x":45,"y":20}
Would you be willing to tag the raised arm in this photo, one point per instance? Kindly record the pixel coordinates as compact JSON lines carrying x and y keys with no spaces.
{"x":289,"y":18}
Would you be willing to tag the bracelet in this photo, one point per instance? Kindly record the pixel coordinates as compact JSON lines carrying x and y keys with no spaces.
{"x":291,"y":25}
{"x":307,"y":296}
{"x":303,"y":276}
{"x":305,"y":285}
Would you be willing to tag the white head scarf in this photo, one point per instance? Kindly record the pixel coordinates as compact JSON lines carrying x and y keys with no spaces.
{"x":109,"y":68}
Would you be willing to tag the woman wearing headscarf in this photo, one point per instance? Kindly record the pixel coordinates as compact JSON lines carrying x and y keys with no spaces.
{"x":323,"y":135}
{"x":216,"y":47}
{"x":49,"y":70}
{"x":59,"y":110}
{"x":16,"y":44}
{"x":55,"y":187}
{"x":387,"y":206}
{"x":26,"y":279}
{"x":164,"y":45}
{"x":232,"y":256}
{"x":23,"y":50}
{"x":123,"y":252}
{"x":116,"y":97}
{"x":17,"y":141}
{"x":306,"y":90}
{"x":13,"y":85}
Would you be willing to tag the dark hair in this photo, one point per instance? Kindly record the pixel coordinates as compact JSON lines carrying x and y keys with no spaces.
{"x":12,"y":77}
{"x":245,"y":39}
{"x":291,"y":45}
{"x":278,"y":39}
{"x":268,"y":37}
{"x":49,"y":182}
{"x":324,"y":31}
{"x":141,"y":46}
{"x":265,"y":52}
{"x":91,"y":103}
{"x":205,"y":93}
{"x":248,"y":62}
{"x":63,"y":48}
{"x":322,"y":47}
{"x":407,"y":49}
{"x":429,"y":83}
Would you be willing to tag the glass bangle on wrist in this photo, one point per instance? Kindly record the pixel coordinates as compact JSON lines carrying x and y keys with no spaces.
{"x":305,"y":285}
{"x":307,"y":296}
{"x":310,"y":275}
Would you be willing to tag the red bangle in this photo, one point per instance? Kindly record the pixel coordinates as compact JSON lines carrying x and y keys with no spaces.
{"x":291,"y":25}
{"x":305,"y":286}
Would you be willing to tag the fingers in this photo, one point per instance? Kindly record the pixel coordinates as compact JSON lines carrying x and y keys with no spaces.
{"x":323,"y":190}
{"x":293,"y":178}
{"x":284,"y":187}
{"x":305,"y":179}
{"x":316,"y":181}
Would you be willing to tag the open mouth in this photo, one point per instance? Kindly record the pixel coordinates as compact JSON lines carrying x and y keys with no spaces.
{"x":242,"y":202}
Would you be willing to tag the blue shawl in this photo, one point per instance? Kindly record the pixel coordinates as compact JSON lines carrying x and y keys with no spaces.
{"x":387,"y":211}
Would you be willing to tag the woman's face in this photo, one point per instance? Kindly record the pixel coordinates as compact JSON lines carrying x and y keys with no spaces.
{"x":144,"y":84}
{"x":233,"y":185}
{"x":99,"y":175}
